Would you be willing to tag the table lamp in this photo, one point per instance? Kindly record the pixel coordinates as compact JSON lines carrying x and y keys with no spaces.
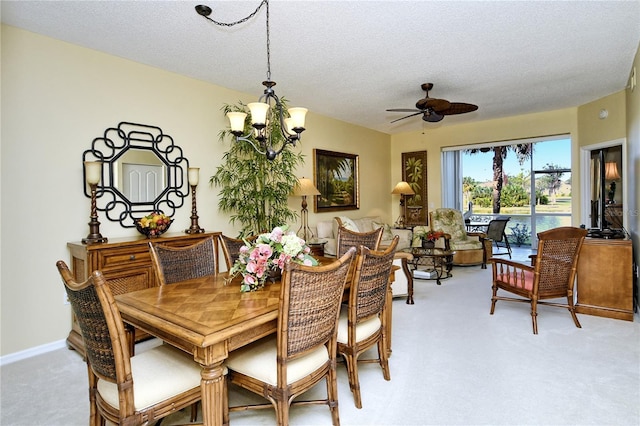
{"x":304,"y":188}
{"x":611,"y":173}
{"x":403,"y":189}
{"x":193,"y":174}
{"x":92,"y":174}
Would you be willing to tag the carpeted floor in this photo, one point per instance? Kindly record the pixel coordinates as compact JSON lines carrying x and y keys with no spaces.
{"x":452,"y":364}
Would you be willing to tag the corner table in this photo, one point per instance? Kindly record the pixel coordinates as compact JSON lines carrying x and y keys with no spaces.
{"x":437,"y":263}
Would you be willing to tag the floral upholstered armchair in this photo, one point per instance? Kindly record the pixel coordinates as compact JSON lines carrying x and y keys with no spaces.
{"x":472,"y":248}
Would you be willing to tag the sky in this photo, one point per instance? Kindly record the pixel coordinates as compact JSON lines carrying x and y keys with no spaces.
{"x":480,"y":166}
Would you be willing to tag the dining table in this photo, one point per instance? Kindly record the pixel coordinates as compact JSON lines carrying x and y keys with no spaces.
{"x":209,"y":317}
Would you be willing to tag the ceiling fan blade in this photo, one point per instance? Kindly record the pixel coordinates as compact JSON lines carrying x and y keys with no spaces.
{"x":403,"y":110}
{"x":434,"y":104}
{"x":410,"y":115}
{"x":432,"y":117}
{"x":459,"y":108}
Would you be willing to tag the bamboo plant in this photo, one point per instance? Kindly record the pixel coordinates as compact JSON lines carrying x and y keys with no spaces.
{"x":253,"y":189}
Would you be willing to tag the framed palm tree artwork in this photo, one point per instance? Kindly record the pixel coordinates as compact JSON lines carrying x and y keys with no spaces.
{"x":414,"y":172}
{"x":336,"y":177}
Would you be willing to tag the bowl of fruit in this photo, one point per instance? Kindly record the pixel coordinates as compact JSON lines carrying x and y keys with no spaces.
{"x":153,"y":225}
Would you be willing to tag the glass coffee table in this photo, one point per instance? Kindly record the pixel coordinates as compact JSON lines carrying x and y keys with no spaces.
{"x":428,"y":264}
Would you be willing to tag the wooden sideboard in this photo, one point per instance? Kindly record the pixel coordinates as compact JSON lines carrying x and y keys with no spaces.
{"x":605,"y":278}
{"x":126,"y":264}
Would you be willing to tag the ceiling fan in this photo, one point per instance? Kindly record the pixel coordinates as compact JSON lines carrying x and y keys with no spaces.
{"x":434,"y":110}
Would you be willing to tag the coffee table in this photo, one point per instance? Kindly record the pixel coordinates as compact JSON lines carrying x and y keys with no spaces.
{"x":436,"y":263}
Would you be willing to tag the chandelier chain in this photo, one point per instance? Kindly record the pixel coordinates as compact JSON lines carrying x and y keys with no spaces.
{"x":245,"y":19}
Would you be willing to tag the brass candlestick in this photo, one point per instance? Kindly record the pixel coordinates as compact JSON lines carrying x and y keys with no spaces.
{"x":93,"y":171}
{"x":194,"y":177}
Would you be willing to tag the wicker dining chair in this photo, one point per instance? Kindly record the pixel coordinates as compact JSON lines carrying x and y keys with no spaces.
{"x":126,"y":390}
{"x":231,"y":248}
{"x":348,"y":238}
{"x":174,"y":264}
{"x":303,"y":351}
{"x":552,"y":275}
{"x":362,"y":322}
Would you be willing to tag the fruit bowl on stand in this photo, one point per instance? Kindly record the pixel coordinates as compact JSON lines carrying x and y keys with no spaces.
{"x":153,"y":225}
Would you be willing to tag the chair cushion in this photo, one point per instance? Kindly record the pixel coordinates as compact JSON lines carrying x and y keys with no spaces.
{"x":466,"y":245}
{"x":158,"y":374}
{"x":363,"y":329}
{"x":258,"y":360}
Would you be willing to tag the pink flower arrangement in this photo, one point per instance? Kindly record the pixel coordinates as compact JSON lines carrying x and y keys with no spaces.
{"x":270,"y":252}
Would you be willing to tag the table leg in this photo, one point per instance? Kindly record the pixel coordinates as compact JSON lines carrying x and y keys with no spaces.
{"x":409,"y":275}
{"x":212,"y":386}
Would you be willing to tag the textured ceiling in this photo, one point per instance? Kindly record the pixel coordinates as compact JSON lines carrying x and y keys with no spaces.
{"x":352,"y":60}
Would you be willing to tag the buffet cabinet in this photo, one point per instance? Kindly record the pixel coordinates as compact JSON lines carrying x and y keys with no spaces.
{"x":126,"y":264}
{"x":605,"y":278}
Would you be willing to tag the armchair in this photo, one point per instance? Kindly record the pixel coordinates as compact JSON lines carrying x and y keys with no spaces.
{"x":472,"y":248}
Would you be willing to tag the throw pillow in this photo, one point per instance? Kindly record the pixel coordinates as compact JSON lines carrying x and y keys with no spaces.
{"x":386,"y":230}
{"x":346,"y":222}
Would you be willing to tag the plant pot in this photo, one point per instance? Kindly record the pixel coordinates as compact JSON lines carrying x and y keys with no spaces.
{"x":426,"y":244}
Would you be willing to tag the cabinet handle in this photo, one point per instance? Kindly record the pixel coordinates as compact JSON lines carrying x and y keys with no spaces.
{"x":132,"y":257}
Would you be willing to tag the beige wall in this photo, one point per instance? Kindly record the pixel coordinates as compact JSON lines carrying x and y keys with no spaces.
{"x":57,"y":97}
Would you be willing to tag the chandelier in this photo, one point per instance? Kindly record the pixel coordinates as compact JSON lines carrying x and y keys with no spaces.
{"x":291,"y":122}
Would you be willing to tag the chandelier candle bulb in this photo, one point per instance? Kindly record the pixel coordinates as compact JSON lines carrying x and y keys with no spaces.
{"x":258,"y":112}
{"x":93,"y":171}
{"x":236,"y":120}
{"x":194,"y":176}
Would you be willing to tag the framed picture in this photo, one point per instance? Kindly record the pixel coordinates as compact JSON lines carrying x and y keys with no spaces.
{"x":414,"y":172}
{"x":336,"y":177}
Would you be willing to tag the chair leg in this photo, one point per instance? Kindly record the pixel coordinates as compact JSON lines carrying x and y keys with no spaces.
{"x":351,"y":362}
{"x":493,"y":299}
{"x":282,"y":411}
{"x":332,"y":395}
{"x":534,"y":315}
{"x":572,"y":309}
{"x":384,"y":360}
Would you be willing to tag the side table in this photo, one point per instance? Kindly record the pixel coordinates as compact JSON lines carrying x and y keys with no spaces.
{"x":317,"y":247}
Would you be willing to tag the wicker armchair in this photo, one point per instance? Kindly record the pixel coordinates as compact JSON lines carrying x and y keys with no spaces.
{"x":303,"y":351}
{"x":363,"y":323}
{"x":551,"y":277}
{"x":122,"y":389}
{"x":174,"y":264}
{"x":471,"y":248}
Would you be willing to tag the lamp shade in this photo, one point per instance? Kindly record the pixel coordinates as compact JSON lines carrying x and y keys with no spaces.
{"x":236,"y":120}
{"x":194,"y":175}
{"x":305,"y":187}
{"x":93,"y":171}
{"x":611,"y":171}
{"x":403,"y":188}
{"x":258,"y":112}
{"x":297,"y":117}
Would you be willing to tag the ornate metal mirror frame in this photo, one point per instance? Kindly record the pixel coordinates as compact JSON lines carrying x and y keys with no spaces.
{"x":140,"y":143}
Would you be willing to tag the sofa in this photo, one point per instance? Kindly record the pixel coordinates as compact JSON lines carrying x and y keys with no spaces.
{"x":328,"y":231}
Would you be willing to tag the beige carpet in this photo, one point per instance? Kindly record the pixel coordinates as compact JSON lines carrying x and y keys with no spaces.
{"x":452,"y":364}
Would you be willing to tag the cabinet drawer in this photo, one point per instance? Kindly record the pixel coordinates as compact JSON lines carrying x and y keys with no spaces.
{"x":118,"y":258}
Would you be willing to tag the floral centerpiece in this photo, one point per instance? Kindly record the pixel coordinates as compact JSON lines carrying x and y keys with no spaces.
{"x":429,"y":237}
{"x":267,"y":254}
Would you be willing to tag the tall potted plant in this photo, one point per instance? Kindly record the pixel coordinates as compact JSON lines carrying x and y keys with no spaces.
{"x":253,"y":189}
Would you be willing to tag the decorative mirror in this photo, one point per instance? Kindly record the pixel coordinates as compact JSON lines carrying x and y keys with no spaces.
{"x":143,"y":171}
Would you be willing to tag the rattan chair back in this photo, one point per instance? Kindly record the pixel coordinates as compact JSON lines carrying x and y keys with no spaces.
{"x":175,"y":264}
{"x":348,"y":238}
{"x":231,"y":248}
{"x":551,"y":275}
{"x":367,"y":302}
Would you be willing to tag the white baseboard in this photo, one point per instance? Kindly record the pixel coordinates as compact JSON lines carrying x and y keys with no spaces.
{"x":28,"y":353}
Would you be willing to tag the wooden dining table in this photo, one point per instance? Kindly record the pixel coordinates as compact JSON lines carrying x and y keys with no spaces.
{"x":208,"y":318}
